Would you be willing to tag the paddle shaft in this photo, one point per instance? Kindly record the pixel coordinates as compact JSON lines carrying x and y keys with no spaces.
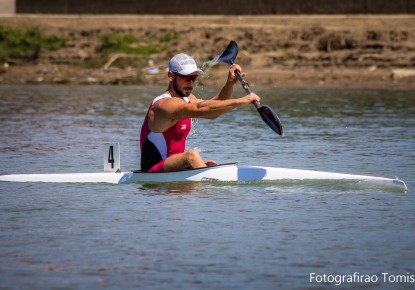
{"x":266,"y":113}
{"x":245,"y":85}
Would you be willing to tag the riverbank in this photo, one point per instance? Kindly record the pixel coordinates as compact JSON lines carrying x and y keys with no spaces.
{"x":364,"y":51}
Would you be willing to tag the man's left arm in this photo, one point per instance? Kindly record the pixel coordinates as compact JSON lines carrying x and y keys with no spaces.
{"x":226,"y":91}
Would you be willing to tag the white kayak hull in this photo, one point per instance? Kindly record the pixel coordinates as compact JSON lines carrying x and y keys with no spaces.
{"x":225,"y":173}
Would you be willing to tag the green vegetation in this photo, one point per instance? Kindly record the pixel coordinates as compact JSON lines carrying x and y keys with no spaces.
{"x":116,"y":43}
{"x":26,"y":44}
{"x":170,"y":36}
{"x":127,"y":43}
{"x":136,"y":50}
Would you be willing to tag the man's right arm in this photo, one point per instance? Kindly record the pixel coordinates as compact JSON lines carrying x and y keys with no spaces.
{"x":209,"y":109}
{"x":165,"y":113}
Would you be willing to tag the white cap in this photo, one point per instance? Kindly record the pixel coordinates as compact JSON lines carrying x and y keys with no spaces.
{"x":183,"y":64}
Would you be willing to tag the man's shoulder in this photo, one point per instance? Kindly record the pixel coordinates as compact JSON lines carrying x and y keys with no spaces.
{"x":162,"y":96}
{"x":166,"y":103}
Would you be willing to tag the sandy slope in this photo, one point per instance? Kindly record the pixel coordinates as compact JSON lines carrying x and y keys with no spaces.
{"x":284,"y":51}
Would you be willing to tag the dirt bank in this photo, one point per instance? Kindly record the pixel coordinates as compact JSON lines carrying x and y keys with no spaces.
{"x":275,"y":51}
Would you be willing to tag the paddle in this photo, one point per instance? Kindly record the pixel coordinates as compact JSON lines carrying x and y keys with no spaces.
{"x":266,"y":113}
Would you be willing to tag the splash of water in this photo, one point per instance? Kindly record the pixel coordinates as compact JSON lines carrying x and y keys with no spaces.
{"x":208,"y":64}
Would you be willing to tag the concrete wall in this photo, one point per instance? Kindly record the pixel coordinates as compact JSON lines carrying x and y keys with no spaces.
{"x":7,"y":7}
{"x":216,"y":6}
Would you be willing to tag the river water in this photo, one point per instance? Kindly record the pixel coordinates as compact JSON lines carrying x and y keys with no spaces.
{"x":207,"y":236}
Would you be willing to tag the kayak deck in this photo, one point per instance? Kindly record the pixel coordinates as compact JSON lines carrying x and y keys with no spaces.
{"x":223,"y":173}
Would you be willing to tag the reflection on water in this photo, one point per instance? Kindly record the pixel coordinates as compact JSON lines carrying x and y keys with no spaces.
{"x":174,"y":188}
{"x":73,"y":100}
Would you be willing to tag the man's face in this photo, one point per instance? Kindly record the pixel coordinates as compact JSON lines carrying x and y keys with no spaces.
{"x":183,"y":85}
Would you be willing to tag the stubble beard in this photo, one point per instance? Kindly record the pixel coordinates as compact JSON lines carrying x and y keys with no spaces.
{"x":180,"y":92}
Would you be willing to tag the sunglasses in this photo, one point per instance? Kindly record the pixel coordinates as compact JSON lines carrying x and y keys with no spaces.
{"x":187,"y":79}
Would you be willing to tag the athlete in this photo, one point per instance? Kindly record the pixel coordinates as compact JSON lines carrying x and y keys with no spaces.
{"x":169,"y":117}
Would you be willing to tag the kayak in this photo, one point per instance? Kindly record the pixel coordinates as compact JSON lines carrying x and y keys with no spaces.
{"x":231,"y":172}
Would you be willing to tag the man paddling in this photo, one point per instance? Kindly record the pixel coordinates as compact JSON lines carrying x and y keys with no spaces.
{"x":169,"y":117}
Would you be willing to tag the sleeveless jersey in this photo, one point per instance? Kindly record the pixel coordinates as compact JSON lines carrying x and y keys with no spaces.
{"x":156,"y":147}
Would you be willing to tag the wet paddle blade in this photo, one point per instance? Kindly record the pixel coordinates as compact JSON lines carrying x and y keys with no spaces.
{"x":266,"y":113}
{"x":230,"y":53}
{"x":271,"y":119}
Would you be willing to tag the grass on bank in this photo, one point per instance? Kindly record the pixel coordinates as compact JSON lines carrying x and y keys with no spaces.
{"x":26,"y":44}
{"x":127,"y":43}
{"x":134,"y":50}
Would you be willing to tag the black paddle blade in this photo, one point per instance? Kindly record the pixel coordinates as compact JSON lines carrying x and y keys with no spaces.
{"x":271,"y":119}
{"x":230,"y":53}
{"x":266,"y":113}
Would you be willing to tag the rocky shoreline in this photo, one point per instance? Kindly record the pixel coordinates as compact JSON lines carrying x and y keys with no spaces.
{"x":275,"y":51}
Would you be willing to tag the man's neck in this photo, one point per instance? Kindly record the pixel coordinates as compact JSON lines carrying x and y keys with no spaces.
{"x":170,"y":90}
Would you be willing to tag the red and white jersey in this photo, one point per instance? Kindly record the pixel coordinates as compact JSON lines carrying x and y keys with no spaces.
{"x":156,"y":147}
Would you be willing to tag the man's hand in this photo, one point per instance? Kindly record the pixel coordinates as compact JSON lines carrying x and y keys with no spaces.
{"x":232,"y":78}
{"x":250,"y":98}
